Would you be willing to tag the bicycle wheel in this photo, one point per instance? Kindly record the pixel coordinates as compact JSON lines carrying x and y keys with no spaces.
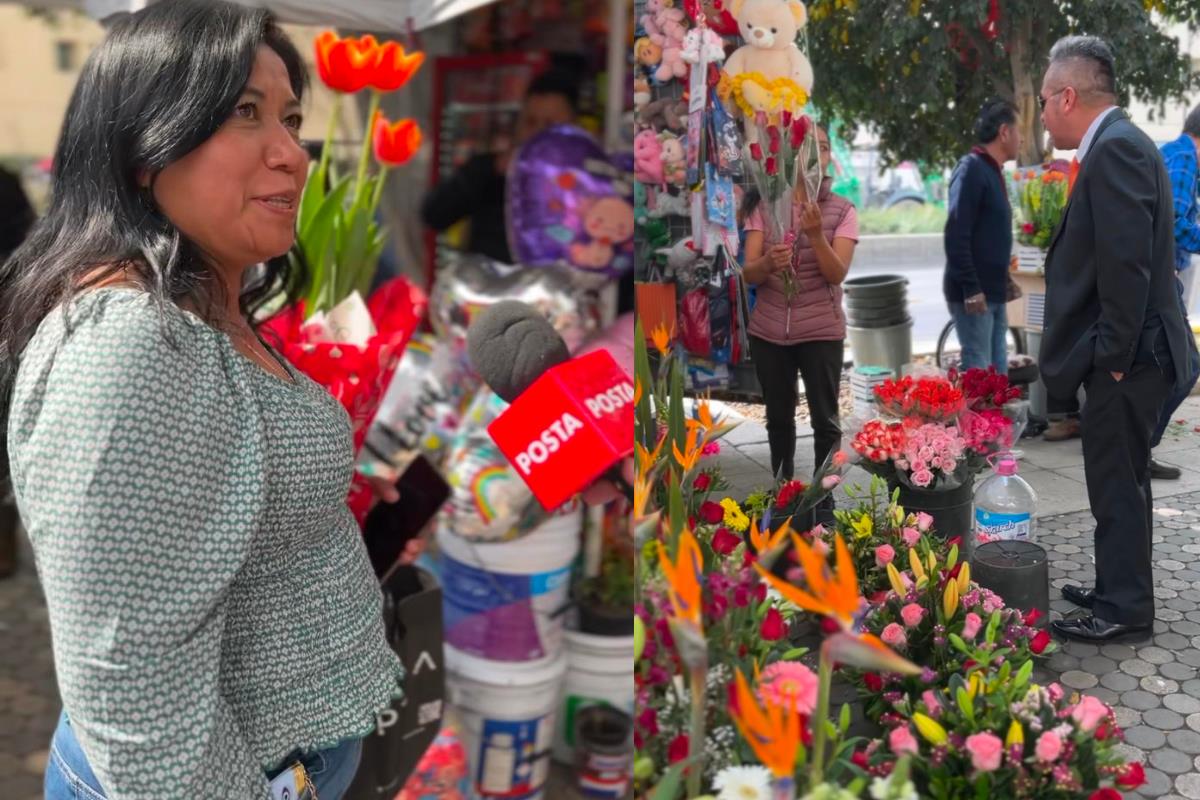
{"x":946,"y":357}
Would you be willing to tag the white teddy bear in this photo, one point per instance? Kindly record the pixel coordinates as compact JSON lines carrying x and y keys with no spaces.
{"x":703,"y":43}
{"x":769,"y":28}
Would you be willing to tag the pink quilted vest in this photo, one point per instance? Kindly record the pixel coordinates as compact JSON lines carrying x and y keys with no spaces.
{"x":815,"y":313}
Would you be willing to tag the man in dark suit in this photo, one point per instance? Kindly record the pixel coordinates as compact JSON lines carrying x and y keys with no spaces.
{"x":1113,"y":324}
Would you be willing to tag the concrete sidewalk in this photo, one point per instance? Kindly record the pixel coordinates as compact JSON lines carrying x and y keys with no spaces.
{"x":1054,"y":469}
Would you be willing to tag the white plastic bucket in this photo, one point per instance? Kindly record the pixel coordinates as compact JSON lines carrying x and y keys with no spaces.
{"x":506,"y":713}
{"x":599,"y":670}
{"x":504,"y":601}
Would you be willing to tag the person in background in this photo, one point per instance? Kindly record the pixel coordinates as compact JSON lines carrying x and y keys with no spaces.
{"x":978,"y":240}
{"x":750,"y":202}
{"x":1114,"y":325}
{"x":802,"y":335}
{"x":476,"y":190}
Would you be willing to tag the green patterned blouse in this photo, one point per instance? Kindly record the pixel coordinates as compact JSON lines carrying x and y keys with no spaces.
{"x":211,"y":604}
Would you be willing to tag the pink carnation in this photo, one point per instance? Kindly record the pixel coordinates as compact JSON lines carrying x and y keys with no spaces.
{"x":884,"y":555}
{"x":986,"y":749}
{"x":911,"y":536}
{"x":893,"y":636}
{"x":901,"y":741}
{"x":912,"y":615}
{"x":1089,"y":712}
{"x":1049,"y":747}
{"x":971,"y":626}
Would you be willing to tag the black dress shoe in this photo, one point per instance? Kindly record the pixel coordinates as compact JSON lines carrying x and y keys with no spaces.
{"x":1164,"y":472}
{"x":1079,"y":595}
{"x":1093,"y":629}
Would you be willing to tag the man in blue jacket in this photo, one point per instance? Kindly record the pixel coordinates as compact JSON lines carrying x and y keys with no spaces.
{"x":978,"y":240}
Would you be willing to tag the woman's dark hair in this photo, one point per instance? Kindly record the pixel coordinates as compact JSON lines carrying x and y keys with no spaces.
{"x":750,"y":201}
{"x":994,"y":114}
{"x":160,"y":84}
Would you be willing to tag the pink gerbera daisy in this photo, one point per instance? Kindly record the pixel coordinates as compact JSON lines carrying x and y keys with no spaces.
{"x":789,"y":684}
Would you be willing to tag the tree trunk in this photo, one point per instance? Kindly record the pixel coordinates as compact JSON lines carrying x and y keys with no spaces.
{"x":1025,"y":93}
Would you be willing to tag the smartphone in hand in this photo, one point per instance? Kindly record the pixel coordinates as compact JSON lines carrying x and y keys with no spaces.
{"x":390,"y":526}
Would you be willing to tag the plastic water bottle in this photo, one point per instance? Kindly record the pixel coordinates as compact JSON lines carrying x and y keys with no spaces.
{"x":1005,"y":505}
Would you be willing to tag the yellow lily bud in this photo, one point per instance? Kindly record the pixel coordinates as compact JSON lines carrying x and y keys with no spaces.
{"x":1016,"y":736}
{"x":932,"y":564}
{"x":950,"y":600}
{"x":933,"y":733}
{"x":974,"y":684}
{"x":914,"y":561}
{"x":894,"y":578}
{"x":964,"y":578}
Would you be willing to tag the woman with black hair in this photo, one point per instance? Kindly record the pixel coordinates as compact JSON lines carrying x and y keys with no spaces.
{"x":214,"y":616}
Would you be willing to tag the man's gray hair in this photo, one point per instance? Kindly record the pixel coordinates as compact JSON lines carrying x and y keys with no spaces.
{"x":1091,"y":61}
{"x":1191,"y":123}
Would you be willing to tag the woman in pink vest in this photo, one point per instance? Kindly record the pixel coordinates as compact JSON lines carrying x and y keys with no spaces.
{"x":804,"y":335}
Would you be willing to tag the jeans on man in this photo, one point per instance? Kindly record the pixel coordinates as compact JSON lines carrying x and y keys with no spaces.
{"x":984,"y":337}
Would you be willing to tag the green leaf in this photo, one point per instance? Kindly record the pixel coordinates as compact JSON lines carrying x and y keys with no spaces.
{"x":1023,"y":675}
{"x":844,"y":718}
{"x":643,"y":422}
{"x":957,"y":642}
{"x":677,"y":514}
{"x":965,"y":704}
{"x":993,"y":626}
{"x":675,"y":418}
{"x":316,"y":240}
{"x":352,"y":248}
{"x":313,"y":196}
{"x":668,"y":788}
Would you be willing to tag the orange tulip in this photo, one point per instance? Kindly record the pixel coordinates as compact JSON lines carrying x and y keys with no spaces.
{"x":773,"y":732}
{"x":396,"y":142}
{"x":346,"y":65}
{"x":683,"y":577}
{"x":394,"y":67}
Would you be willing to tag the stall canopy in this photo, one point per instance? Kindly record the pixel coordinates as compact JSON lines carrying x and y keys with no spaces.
{"x":372,"y":15}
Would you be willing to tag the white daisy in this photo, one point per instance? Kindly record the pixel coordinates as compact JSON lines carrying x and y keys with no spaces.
{"x":743,"y":783}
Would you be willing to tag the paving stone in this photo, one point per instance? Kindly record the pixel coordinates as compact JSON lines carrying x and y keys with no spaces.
{"x":1171,"y":641}
{"x":1192,"y":687}
{"x":1182,"y":703}
{"x":1188,"y":786}
{"x":1177,"y":672}
{"x":1064,"y":662}
{"x":1079,"y":680}
{"x":1185,"y":741}
{"x":1140,"y":700}
{"x":1121,"y":652}
{"x":1159,"y":685}
{"x":1119,"y":682}
{"x":1128,"y":717}
{"x":1156,"y":655}
{"x":1137,"y":668}
{"x":1145,"y":737}
{"x":1169,"y":615}
{"x":1107,"y":696}
{"x":1099,"y":665}
{"x":1171,"y":761}
{"x":1193,"y":722}
{"x":1186,"y":627}
{"x":1163,"y":718}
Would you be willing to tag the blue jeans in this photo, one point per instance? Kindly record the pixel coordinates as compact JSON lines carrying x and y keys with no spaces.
{"x":69,"y":777}
{"x":984,"y":337}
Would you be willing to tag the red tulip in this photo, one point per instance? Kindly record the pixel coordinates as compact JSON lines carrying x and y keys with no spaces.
{"x":1106,"y":793}
{"x":397,"y":142}
{"x":724,"y":542}
{"x":772,"y":169}
{"x":1038,"y":643}
{"x":346,"y":65}
{"x":394,"y":67}
{"x":773,"y":627}
{"x":1133,"y":776}
{"x":756,"y":151}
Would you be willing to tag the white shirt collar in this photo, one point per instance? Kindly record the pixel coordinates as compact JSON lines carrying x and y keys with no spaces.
{"x":1086,"y":142}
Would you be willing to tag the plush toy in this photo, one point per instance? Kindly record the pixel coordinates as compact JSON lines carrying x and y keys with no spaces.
{"x":664,"y":114}
{"x":674,"y":158}
{"x":607,"y":224}
{"x":668,"y":205}
{"x":666,"y":26}
{"x":647,"y":52}
{"x":703,"y":43}
{"x":769,"y":28}
{"x":681,"y":255}
{"x":641,"y":93}
{"x":716,"y":15}
{"x":647,"y":158}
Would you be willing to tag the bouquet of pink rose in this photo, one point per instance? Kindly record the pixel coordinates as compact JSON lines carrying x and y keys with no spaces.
{"x":990,"y":732}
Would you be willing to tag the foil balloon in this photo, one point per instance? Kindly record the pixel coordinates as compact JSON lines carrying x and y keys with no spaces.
{"x":466,"y":284}
{"x":570,"y":204}
{"x":489,"y":502}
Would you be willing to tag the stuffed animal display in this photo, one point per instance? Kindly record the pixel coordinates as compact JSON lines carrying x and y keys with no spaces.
{"x":666,"y":26}
{"x":703,"y":45}
{"x":647,"y":158}
{"x":664,"y":114}
{"x":769,"y":28}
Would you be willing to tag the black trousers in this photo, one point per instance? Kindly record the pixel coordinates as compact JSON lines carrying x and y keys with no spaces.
{"x":820,"y":365}
{"x":1118,"y":422}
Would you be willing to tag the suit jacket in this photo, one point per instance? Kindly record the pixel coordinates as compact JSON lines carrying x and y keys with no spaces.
{"x":1111,"y":294}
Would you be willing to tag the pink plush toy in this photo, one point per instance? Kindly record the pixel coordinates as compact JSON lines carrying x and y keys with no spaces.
{"x":666,"y":26}
{"x":674,"y":158}
{"x":647,"y":158}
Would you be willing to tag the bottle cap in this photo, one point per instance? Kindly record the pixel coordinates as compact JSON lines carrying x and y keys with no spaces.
{"x":1006,"y":466}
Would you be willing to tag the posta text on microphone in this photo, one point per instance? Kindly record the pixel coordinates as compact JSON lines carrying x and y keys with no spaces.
{"x":569,"y":427}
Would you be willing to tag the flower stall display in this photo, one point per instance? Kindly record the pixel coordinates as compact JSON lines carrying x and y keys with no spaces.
{"x":993,"y":733}
{"x":1041,"y":198}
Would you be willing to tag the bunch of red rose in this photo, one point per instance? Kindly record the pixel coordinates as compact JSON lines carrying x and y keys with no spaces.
{"x":984,"y":388}
{"x":933,"y":399}
{"x":986,"y":431}
{"x":788,"y":493}
{"x":880,"y":441}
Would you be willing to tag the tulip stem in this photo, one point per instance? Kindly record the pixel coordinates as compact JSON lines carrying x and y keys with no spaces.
{"x":334,"y":113}
{"x":377,"y":194}
{"x":699,"y":679}
{"x":819,"y":718}
{"x":364,"y":158}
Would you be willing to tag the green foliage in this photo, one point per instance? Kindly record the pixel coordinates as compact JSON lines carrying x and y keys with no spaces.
{"x":925,"y":219}
{"x":920,"y":79}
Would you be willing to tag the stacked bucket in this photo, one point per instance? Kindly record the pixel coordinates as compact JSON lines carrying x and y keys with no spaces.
{"x":877,"y":321}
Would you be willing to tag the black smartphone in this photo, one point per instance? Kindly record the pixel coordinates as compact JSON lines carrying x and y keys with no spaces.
{"x":390,"y":526}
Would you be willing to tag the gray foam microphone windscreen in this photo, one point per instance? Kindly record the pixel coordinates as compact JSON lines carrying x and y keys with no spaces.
{"x":510,"y":345}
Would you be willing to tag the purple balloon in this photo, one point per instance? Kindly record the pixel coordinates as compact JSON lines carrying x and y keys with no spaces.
{"x":570,"y":204}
